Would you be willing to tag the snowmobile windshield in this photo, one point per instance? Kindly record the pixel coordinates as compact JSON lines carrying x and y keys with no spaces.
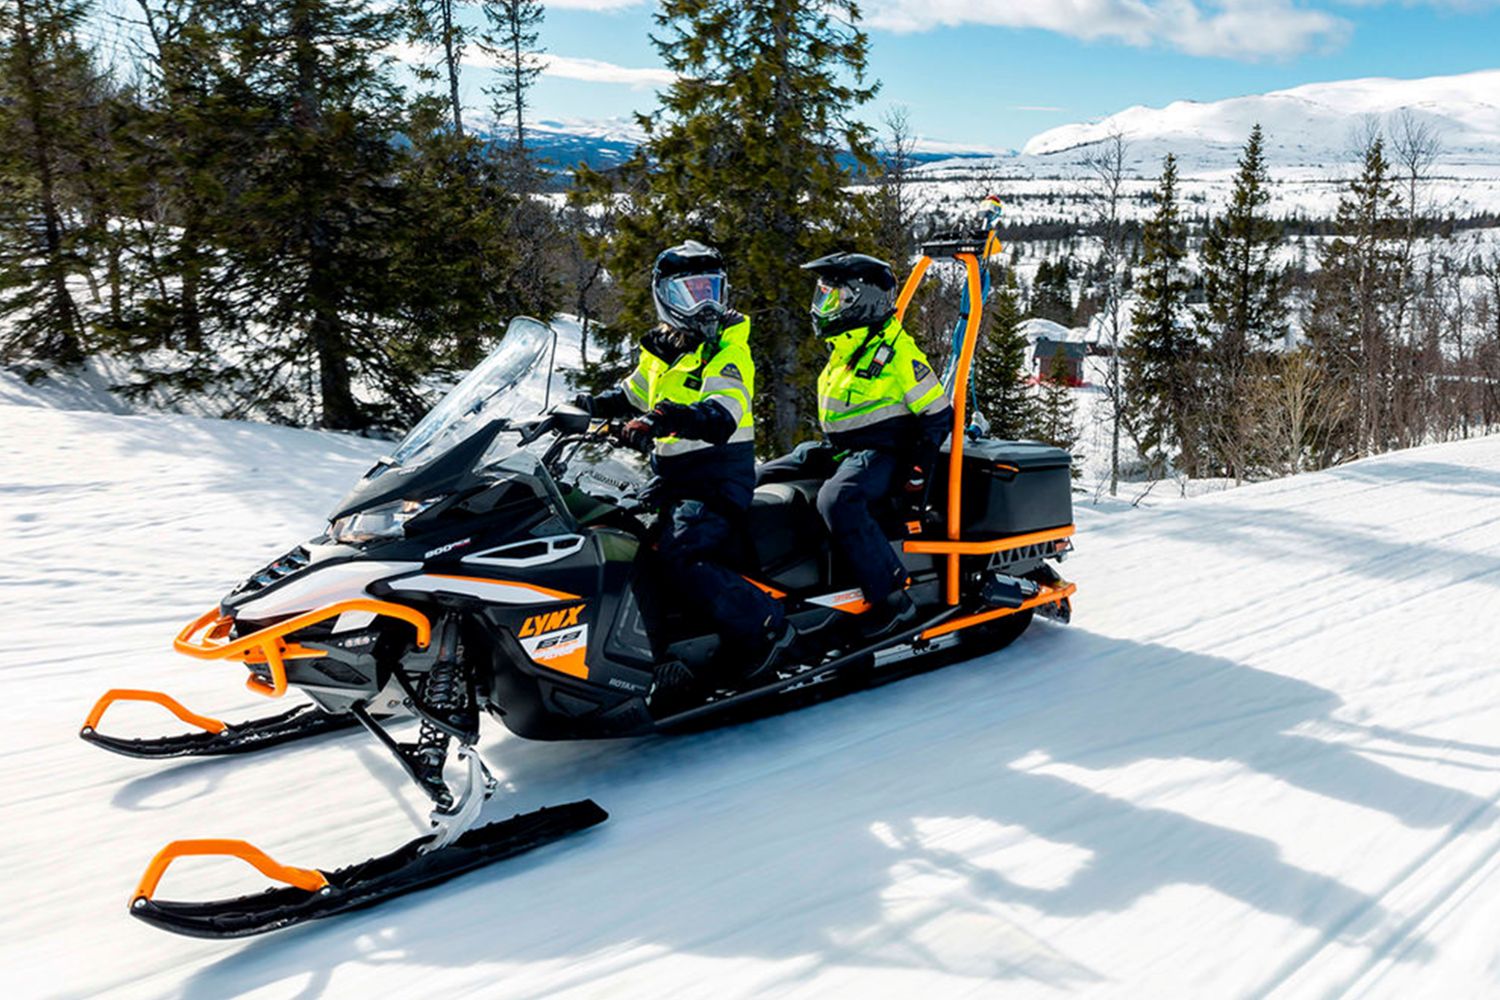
{"x":511,"y":382}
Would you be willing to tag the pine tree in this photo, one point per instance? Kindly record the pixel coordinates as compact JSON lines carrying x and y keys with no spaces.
{"x":1051,"y":293}
{"x":1357,"y":291}
{"x":42,"y":71}
{"x":437,"y":23}
{"x":511,"y":38}
{"x":1160,"y":354}
{"x":1000,"y":369}
{"x":747,"y":155}
{"x":187,"y":146}
{"x":1057,"y":422}
{"x":1245,"y":312}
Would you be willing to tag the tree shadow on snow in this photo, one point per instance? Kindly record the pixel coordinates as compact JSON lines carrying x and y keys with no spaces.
{"x":935,"y":824}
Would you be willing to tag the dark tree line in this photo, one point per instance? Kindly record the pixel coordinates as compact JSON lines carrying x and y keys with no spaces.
{"x":253,"y":207}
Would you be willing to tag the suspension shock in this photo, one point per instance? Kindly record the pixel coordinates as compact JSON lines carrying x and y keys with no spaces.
{"x":444,"y":692}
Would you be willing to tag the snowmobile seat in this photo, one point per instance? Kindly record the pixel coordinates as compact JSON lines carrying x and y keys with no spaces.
{"x":788,"y":543}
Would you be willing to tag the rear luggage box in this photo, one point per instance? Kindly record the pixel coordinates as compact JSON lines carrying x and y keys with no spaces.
{"x":1010,"y":488}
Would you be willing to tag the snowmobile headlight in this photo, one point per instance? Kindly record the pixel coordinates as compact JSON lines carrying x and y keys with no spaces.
{"x":385,"y":521}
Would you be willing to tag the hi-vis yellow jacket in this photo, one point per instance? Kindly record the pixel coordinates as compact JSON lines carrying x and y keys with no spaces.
{"x":720,"y":373}
{"x":879,"y":391}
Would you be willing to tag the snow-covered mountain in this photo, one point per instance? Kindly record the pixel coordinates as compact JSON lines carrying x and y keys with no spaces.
{"x":564,"y":143}
{"x":1308,"y":126}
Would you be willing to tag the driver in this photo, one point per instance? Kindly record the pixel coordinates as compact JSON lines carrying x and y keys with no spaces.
{"x":885,"y":414}
{"x":691,"y":394}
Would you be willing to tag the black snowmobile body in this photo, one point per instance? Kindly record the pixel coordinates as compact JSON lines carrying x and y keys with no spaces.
{"x":497,"y":564}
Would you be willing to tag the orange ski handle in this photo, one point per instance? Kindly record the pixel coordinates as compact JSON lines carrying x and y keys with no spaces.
{"x":207,"y":638}
{"x":302,"y":878}
{"x":171,"y":704}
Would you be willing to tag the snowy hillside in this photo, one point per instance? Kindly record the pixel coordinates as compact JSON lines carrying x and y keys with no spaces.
{"x":1265,"y":760}
{"x":1305,"y":126}
{"x":1310,"y":134}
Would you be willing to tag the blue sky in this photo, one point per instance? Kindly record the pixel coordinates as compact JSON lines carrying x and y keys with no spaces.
{"x":991,"y":73}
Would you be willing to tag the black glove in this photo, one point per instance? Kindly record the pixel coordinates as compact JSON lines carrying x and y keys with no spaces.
{"x":585,"y":402}
{"x":916,"y":482}
{"x":671,"y":418}
{"x":640,"y":434}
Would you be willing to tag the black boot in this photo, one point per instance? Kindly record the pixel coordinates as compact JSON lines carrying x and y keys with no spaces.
{"x":890,"y":617}
{"x":675,"y":688}
{"x":762,"y":667}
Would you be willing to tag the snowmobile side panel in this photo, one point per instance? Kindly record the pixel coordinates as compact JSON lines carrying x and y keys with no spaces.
{"x":406,"y":869}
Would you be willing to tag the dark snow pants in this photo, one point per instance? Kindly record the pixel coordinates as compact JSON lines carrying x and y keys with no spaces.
{"x":849,"y":489}
{"x":696,"y":548}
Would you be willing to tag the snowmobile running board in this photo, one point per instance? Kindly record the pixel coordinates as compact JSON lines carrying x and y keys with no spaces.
{"x":312,"y":894}
{"x":802,"y":677}
{"x":218,"y":738}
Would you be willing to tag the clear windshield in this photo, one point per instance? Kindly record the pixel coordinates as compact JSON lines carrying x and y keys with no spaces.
{"x":511,"y":382}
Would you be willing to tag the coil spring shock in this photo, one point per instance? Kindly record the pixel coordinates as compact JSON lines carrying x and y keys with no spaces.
{"x":443,"y":692}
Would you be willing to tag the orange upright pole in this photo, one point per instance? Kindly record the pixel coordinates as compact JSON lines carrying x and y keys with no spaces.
{"x":913,"y":280}
{"x":960,"y":405}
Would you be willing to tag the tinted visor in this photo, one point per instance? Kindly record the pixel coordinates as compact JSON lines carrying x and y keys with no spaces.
{"x":829,"y":300}
{"x":687,"y":294}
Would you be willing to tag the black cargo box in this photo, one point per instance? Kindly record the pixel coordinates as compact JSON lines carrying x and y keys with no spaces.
{"x":1010,"y":488}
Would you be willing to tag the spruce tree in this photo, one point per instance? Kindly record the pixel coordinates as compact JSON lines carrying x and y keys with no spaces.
{"x":1245,"y":309}
{"x":437,"y":23}
{"x":1160,"y":353}
{"x":1057,"y":422}
{"x":511,"y":39}
{"x":747,"y":154}
{"x":1355,"y":297}
{"x":42,"y":129}
{"x":1051,"y":293}
{"x":1000,"y":369}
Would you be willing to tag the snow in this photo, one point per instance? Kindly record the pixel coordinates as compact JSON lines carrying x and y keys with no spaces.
{"x":1303,"y":125}
{"x":1262,"y":761}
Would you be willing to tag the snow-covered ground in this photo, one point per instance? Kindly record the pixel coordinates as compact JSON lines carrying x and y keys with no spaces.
{"x":1265,"y":760}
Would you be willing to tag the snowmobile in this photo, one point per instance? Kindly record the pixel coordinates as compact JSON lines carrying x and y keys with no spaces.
{"x":498,"y":562}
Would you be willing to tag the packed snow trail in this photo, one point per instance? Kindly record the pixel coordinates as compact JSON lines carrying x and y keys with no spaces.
{"x":1265,"y":760}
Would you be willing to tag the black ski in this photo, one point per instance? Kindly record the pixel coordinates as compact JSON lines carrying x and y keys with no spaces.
{"x":404,"y":870}
{"x":242,"y":737}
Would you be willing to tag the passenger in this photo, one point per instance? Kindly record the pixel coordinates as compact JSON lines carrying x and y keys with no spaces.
{"x":885,"y":415}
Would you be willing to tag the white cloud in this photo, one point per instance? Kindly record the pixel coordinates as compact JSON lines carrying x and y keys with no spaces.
{"x":1241,"y":29}
{"x":596,"y":71}
{"x":565,"y":67}
{"x":592,"y":4}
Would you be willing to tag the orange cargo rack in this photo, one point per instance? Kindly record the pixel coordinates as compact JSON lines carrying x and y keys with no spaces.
{"x":969,"y":253}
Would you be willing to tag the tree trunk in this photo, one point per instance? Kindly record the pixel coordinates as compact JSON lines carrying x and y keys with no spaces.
{"x":451,"y":58}
{"x":324,"y":324}
{"x":66,"y":343}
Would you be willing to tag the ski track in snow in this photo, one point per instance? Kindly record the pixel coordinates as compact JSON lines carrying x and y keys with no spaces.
{"x":1264,"y":761}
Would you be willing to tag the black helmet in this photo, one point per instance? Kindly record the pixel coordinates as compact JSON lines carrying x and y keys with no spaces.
{"x":854,"y":290}
{"x":690,"y":288}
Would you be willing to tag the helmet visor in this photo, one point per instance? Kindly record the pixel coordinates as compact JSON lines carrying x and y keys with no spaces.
{"x":688,"y":293}
{"x":828,"y":300}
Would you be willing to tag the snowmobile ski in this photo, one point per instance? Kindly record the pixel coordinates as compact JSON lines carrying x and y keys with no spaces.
{"x":217,"y":738}
{"x":313,"y":894}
